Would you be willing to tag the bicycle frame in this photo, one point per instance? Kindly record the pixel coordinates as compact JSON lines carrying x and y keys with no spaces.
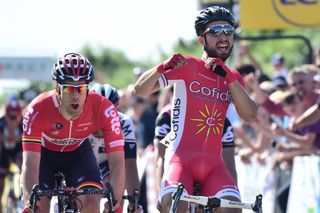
{"x":213,"y":202}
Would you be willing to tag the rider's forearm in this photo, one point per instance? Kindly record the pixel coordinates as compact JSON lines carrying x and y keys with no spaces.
{"x":29,"y":177}
{"x":147,"y":83}
{"x":117,"y":180}
{"x":245,"y":106}
{"x":132,"y":178}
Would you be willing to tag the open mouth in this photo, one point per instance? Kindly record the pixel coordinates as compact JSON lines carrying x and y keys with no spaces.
{"x":223,"y":47}
{"x":74,"y":106}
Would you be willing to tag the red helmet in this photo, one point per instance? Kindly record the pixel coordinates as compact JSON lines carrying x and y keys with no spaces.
{"x":13,"y":109}
{"x":72,"y":67}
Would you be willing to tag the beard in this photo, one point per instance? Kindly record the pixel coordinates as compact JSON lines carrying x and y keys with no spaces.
{"x":223,"y":56}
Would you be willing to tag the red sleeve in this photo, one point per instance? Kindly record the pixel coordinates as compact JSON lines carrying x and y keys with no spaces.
{"x":32,"y":133}
{"x":110,"y":126}
{"x":238,"y":76}
{"x":169,"y":76}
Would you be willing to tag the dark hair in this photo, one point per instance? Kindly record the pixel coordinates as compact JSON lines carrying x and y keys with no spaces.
{"x":246,"y":69}
{"x":211,"y":14}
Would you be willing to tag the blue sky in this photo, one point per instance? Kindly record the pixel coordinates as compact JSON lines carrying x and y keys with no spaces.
{"x":139,"y":28}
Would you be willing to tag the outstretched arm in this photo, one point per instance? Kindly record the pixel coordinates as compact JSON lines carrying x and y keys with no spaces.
{"x":310,"y":116}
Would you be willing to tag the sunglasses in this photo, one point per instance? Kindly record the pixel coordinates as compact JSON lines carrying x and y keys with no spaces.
{"x":70,"y":89}
{"x":217,"y":30}
{"x":289,"y":100}
{"x":300,"y":82}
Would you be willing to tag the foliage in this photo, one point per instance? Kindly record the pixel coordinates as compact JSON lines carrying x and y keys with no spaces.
{"x":114,"y":64}
{"x":295,"y":51}
{"x":118,"y":68}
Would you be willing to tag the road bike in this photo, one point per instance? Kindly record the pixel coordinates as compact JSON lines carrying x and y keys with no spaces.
{"x":208,"y":204}
{"x":68,"y":201}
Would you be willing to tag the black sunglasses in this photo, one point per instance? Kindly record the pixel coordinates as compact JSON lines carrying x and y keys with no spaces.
{"x":217,"y":30}
{"x":291,"y":99}
{"x":300,"y":82}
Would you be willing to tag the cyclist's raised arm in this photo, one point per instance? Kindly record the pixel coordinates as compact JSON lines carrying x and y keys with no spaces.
{"x":29,"y":173}
{"x":148,"y":81}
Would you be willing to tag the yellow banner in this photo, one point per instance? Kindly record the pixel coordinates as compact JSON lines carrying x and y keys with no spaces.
{"x":279,"y":14}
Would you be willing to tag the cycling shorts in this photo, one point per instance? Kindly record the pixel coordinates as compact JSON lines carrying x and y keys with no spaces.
{"x":79,"y":167}
{"x":190,"y":168}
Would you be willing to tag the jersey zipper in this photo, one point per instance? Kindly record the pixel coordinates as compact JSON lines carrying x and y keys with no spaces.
{"x":69,"y":135}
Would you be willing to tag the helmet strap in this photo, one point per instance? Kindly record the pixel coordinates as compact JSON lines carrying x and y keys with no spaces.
{"x":205,"y":47}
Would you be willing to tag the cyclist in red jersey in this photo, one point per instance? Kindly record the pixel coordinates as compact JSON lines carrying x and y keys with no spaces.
{"x":203,"y":89}
{"x":56,"y":126}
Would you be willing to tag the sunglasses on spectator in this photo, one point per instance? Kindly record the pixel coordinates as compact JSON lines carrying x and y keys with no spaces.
{"x":70,"y":89}
{"x":300,"y":82}
{"x":289,"y":100}
{"x":217,"y":30}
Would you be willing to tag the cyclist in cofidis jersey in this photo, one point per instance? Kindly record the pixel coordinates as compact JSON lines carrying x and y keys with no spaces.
{"x":163,"y":127}
{"x":56,"y":126}
{"x":132,"y":181}
{"x":203,"y":89}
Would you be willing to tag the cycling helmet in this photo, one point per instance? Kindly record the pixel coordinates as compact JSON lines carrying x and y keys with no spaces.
{"x":13,"y":109}
{"x":107,"y":91}
{"x":210,"y":14}
{"x":72,"y":67}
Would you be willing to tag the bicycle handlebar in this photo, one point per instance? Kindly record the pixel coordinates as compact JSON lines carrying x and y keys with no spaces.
{"x":214,"y":202}
{"x":36,"y":193}
{"x":133,"y":198}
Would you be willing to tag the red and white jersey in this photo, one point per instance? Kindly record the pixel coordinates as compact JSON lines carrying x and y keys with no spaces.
{"x":200,"y":101}
{"x":44,"y":125}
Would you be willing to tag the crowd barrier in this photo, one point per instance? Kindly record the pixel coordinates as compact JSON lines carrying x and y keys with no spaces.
{"x":304,"y":195}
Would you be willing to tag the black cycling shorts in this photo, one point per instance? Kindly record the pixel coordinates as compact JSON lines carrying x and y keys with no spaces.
{"x":79,"y":167}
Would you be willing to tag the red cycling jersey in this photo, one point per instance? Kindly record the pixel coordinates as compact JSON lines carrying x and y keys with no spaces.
{"x":200,"y":102}
{"x":44,"y":125}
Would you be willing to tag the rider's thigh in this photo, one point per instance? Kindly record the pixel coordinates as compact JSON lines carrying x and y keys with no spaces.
{"x":166,"y":202}
{"x":229,"y":210}
{"x":89,"y":203}
{"x":44,"y":205}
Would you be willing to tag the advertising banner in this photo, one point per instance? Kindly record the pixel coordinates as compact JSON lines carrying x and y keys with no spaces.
{"x":279,"y":14}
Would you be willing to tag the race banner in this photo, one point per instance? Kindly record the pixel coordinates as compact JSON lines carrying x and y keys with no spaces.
{"x":279,"y":14}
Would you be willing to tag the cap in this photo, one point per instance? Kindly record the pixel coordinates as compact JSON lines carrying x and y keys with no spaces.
{"x":277,"y":59}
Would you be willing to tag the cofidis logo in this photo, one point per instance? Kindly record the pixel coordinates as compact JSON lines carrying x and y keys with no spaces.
{"x":300,"y":13}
